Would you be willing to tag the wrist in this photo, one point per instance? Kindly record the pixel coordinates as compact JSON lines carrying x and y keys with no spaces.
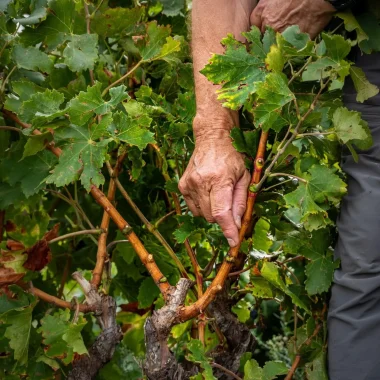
{"x":209,"y":126}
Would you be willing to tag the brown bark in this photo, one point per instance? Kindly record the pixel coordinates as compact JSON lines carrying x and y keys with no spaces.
{"x":101,"y":255}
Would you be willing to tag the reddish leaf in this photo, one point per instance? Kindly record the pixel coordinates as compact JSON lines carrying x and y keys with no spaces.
{"x":14,"y":245}
{"x":40,"y":255}
{"x":11,"y":270}
{"x":52,"y":234}
{"x":10,"y":226}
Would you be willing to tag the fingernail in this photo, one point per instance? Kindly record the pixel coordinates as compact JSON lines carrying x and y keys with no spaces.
{"x":238,"y":221}
{"x":231,"y":242}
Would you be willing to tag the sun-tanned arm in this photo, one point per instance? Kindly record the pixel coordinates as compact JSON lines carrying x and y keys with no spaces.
{"x":215,"y":182}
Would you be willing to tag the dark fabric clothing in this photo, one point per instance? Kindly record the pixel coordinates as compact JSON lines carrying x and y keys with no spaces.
{"x":354,"y":311}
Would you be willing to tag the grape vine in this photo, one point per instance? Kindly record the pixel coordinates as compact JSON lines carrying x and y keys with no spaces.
{"x":104,"y":273}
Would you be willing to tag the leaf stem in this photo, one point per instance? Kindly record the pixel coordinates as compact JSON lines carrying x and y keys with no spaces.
{"x":291,"y":176}
{"x":122,"y":78}
{"x":76,"y":233}
{"x":226,"y":370}
{"x":6,"y":128}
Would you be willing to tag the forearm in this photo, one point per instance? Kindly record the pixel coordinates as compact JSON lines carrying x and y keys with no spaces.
{"x":212,"y":20}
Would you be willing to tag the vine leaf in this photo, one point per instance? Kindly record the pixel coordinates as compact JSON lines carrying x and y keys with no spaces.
{"x":115,"y":21}
{"x":364,"y":88}
{"x":86,"y":104}
{"x":273,"y":94}
{"x":158,"y":44}
{"x":36,"y":143}
{"x":270,"y":371}
{"x":197,"y":355}
{"x":237,"y":71}
{"x":351,"y":24}
{"x":245,"y":142}
{"x":82,"y":157}
{"x":320,"y":273}
{"x":32,"y":112}
{"x":348,"y":125}
{"x":271,"y":272}
{"x":11,"y":267}
{"x":62,"y":337}
{"x":39,"y":255}
{"x":132,"y":131}
{"x":320,"y":269}
{"x":81,"y":52}
{"x":316,"y":370}
{"x":31,"y":58}
{"x":148,"y":292}
{"x":37,"y":14}
{"x":19,"y":321}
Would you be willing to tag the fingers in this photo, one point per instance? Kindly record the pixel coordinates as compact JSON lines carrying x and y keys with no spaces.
{"x":240,"y":198}
{"x":255,"y":17}
{"x":221,"y":209}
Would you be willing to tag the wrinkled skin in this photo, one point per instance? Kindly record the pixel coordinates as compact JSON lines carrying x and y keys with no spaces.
{"x":310,"y":15}
{"x":215,"y":182}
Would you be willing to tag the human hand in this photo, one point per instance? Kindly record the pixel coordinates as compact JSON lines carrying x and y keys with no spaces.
{"x":215,"y":182}
{"x":310,"y":15}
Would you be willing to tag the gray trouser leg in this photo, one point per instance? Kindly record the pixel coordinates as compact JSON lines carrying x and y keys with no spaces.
{"x":354,"y":312}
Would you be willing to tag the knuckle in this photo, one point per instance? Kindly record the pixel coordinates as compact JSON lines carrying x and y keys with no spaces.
{"x":220,"y":214}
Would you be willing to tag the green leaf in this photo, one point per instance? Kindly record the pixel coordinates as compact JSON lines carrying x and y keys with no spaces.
{"x":18,"y":331}
{"x":82,"y":156}
{"x":273,"y":94}
{"x":116,"y":21}
{"x":36,"y":143}
{"x":32,"y":111}
{"x":158,"y":44}
{"x":363,"y":87}
{"x":316,"y":370}
{"x":86,"y":104}
{"x":252,"y":370}
{"x":31,"y":58}
{"x":131,"y":131}
{"x":261,"y":241}
{"x":238,"y":71}
{"x":148,"y":292}
{"x":348,"y":125}
{"x":272,"y":369}
{"x":337,"y":47}
{"x":351,"y":24}
{"x":370,"y":25}
{"x":19,"y":300}
{"x":38,"y":13}
{"x":245,"y":142}
{"x":198,"y":355}
{"x":320,"y":274}
{"x":81,"y":52}
{"x":172,"y":7}
{"x":261,"y":288}
{"x":62,"y":337}
{"x":275,"y":60}
{"x":325,"y":185}
{"x":271,"y":272}
{"x":29,"y":173}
